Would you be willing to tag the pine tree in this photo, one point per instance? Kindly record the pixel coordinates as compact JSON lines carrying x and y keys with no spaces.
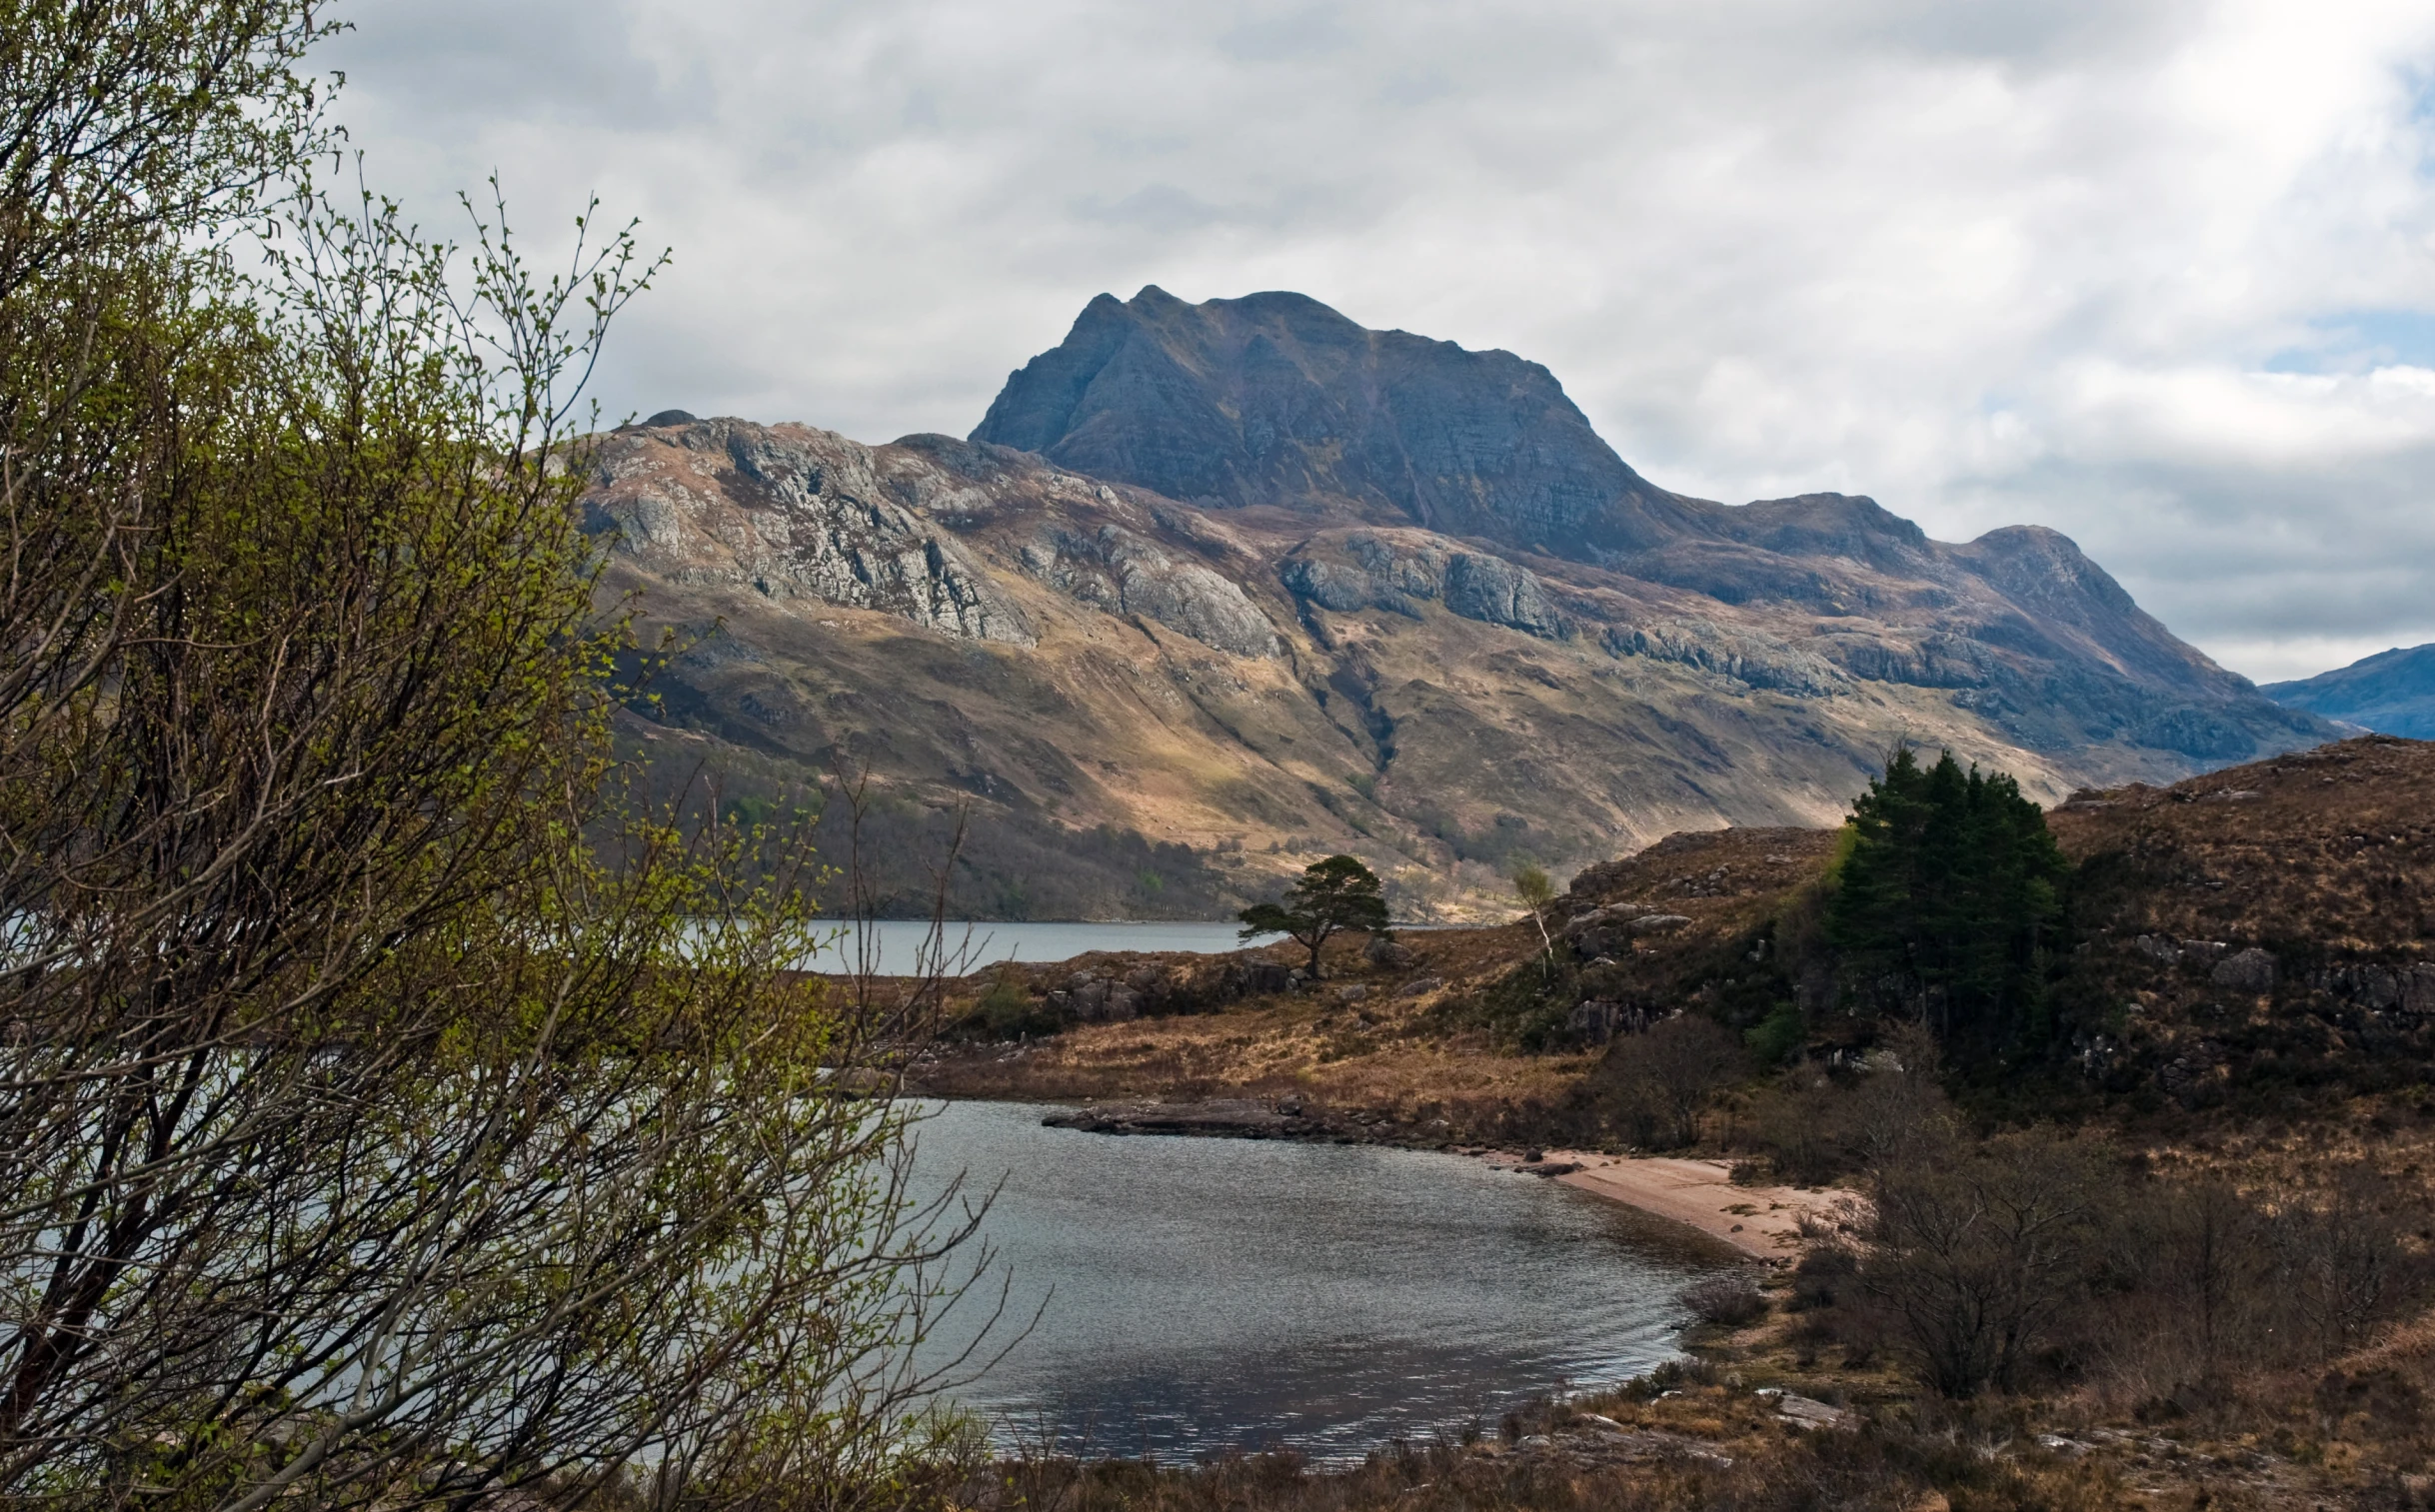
{"x":1942,"y":902}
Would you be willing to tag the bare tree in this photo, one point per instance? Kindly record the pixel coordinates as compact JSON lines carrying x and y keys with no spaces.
{"x":1978,"y":1249}
{"x":1655,"y":1085}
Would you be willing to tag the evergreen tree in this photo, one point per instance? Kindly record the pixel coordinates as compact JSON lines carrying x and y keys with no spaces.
{"x":1943,"y":898}
{"x":1336,"y":894}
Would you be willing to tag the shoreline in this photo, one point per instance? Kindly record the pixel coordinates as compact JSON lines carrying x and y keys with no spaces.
{"x":1763,"y":1223}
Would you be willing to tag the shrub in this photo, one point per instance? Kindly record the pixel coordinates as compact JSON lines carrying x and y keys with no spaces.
{"x":1730,"y":1301}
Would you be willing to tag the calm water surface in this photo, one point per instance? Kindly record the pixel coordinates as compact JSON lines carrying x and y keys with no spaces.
{"x":1207,"y":1294}
{"x":898,"y":944}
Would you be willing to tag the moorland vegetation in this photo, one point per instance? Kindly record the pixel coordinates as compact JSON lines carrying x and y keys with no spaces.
{"x":2132,"y":1097}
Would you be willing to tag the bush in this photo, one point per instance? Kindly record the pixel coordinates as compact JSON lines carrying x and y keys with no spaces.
{"x":1823,"y":1275}
{"x":1652,"y":1087}
{"x":1727,"y":1301}
{"x":1779,"y":1036}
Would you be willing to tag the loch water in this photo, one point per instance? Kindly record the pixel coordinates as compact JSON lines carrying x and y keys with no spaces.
{"x":908,"y":946}
{"x":1196,"y":1296}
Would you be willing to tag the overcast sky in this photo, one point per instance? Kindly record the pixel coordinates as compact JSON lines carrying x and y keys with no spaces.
{"x":2160,"y":275}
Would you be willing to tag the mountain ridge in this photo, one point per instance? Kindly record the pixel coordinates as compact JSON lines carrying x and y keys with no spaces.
{"x":2391,"y":692}
{"x":1302,"y":662}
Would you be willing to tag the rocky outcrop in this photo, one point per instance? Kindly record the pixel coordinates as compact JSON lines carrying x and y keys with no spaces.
{"x":2250,"y":971}
{"x":793,"y":513}
{"x":1488,"y":589}
{"x":1115,"y":570}
{"x":1750,"y":657}
{"x":2405,"y":989}
{"x":1496,"y":591}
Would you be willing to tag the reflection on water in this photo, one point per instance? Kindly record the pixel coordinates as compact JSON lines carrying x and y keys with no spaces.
{"x":1207,"y":1294}
{"x":900,"y":944}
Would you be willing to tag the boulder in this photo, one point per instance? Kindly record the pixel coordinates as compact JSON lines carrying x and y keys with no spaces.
{"x":2405,"y":989}
{"x":1595,"y":1020}
{"x":1383,"y":952}
{"x":1601,"y":941}
{"x":1261,"y":978}
{"x":1352,"y":993}
{"x":1658,"y":923}
{"x":1605,"y":916}
{"x":1421,"y":988}
{"x":2250,"y":971}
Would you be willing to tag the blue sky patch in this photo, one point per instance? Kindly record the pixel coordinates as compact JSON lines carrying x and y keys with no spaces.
{"x":2356,"y":341}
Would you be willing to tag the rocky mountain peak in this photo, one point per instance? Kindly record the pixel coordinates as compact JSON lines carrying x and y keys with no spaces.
{"x":1275,"y":399}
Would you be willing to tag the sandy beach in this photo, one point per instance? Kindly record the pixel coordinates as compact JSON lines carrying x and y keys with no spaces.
{"x":1762,"y":1221}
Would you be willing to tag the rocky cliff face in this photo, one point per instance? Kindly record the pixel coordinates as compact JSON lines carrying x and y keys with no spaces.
{"x":1276,"y":399}
{"x":1253,"y":585}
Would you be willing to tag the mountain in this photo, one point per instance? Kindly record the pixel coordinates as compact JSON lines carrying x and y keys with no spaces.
{"x":2392,"y":693}
{"x":1413,"y":608}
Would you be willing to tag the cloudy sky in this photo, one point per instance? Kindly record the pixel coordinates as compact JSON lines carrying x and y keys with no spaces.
{"x":2158,"y":273}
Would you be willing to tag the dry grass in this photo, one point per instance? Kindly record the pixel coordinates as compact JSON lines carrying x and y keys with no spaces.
{"x":1387,"y":1053}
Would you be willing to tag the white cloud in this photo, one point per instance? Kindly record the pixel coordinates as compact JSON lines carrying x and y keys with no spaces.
{"x":1988,"y":263}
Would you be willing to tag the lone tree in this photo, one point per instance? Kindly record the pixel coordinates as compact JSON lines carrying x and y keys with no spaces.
{"x":1532,"y":885}
{"x":1336,"y":894}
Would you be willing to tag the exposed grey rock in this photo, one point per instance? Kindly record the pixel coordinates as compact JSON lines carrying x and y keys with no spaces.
{"x":1262,"y":978}
{"x":1600,"y":940}
{"x":1656,"y":923}
{"x":1936,"y":660}
{"x":1494,"y":589}
{"x":807,"y":519}
{"x":2157,"y":948}
{"x":2250,"y":971}
{"x":1798,"y":1411}
{"x":1421,"y":988}
{"x":1329,"y":585}
{"x":1608,"y":914}
{"x":2407,"y":989}
{"x":1385,"y":953}
{"x":1352,"y":993}
{"x":1596,"y":1021}
{"x":1115,"y":569}
{"x":1756,"y":660}
{"x":1417,"y":573}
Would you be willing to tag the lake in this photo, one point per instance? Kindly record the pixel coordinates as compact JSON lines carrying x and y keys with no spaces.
{"x":897,"y":942}
{"x":1203,"y":1295}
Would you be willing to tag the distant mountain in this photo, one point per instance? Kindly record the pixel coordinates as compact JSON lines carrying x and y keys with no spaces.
{"x":1218,"y":588}
{"x":1276,"y":399}
{"x":2391,"y":692}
